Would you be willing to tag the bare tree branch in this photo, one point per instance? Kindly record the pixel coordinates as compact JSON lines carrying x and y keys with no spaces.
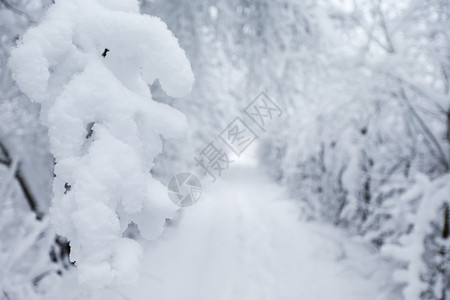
{"x":426,"y":130}
{"x":22,"y":182}
{"x":387,"y":35}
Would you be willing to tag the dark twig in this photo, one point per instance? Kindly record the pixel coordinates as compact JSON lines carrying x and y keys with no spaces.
{"x":22,"y":182}
{"x":426,"y":130}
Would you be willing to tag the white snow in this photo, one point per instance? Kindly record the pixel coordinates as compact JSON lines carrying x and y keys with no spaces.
{"x":244,"y":240}
{"x":431,"y":194}
{"x":104,"y":128}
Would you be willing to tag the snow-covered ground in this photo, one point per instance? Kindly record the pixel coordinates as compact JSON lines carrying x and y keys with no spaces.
{"x":244,"y":240}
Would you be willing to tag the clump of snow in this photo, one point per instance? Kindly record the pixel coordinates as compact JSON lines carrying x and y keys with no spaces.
{"x":104,"y":128}
{"x":432,"y":196}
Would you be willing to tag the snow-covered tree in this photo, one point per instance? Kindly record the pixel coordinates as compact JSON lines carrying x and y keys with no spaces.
{"x":424,"y":249}
{"x":217,"y":95}
{"x":89,"y":65}
{"x":364,"y":142}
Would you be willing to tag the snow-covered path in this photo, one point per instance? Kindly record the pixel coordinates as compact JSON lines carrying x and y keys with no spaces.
{"x":244,"y":240}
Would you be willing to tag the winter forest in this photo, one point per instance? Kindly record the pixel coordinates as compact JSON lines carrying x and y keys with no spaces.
{"x":225,"y":149}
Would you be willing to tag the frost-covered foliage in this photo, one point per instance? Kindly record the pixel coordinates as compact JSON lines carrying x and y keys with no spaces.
{"x":27,"y":270}
{"x":18,"y":117}
{"x":364,"y":142}
{"x":216,"y":96}
{"x":88,"y":64}
{"x":30,"y":256}
{"x":425,"y":245}
{"x":377,"y":114}
{"x":365,"y":87}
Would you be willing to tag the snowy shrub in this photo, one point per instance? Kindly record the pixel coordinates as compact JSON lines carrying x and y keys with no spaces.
{"x":88,"y":64}
{"x":425,"y":249}
{"x":26,"y":267}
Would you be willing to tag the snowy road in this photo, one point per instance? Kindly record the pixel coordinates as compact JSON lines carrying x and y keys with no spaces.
{"x":243,"y":240}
